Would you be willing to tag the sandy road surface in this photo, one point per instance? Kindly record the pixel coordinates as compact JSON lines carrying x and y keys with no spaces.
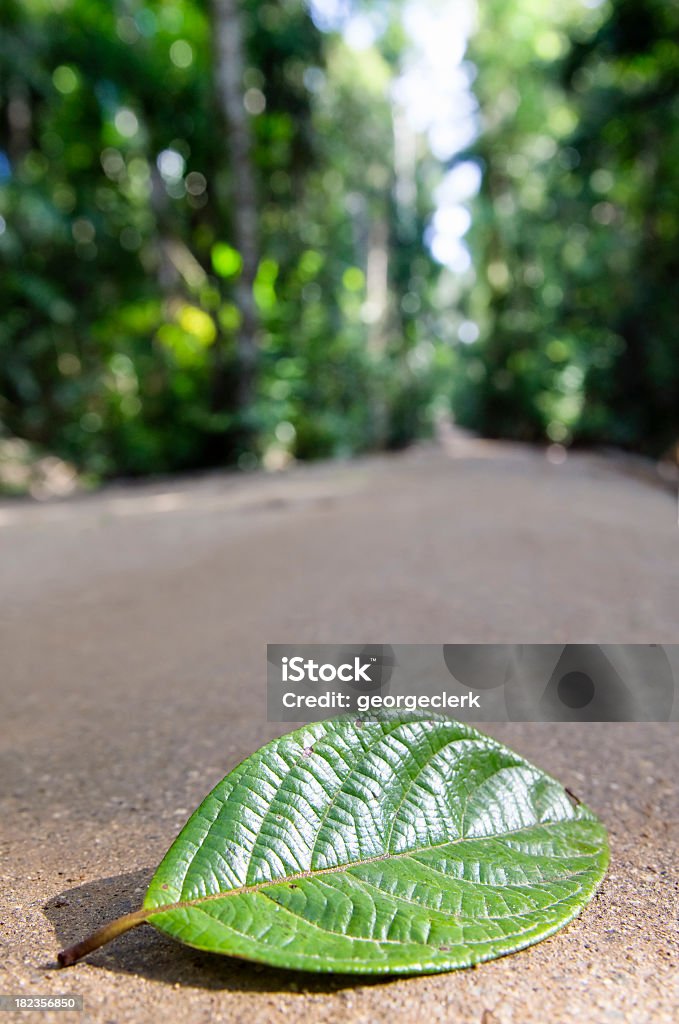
{"x":134,"y":626}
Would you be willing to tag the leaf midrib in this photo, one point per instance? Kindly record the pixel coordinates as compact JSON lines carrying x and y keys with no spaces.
{"x":339,"y":868}
{"x":400,"y":942}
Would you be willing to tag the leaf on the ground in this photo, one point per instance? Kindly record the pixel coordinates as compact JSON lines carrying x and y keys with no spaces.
{"x":400,"y":845}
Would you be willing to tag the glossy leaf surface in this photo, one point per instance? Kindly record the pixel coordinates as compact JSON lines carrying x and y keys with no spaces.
{"x":401,"y":845}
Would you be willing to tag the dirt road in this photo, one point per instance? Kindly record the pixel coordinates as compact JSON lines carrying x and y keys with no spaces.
{"x":134,"y":625}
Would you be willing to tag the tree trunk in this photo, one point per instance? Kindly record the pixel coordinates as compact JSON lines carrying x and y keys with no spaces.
{"x":229,"y":70}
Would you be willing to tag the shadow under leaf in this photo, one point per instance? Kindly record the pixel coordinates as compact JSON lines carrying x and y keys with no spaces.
{"x":77,"y":912}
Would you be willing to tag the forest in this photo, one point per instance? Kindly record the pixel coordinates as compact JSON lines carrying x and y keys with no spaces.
{"x":224,"y":238}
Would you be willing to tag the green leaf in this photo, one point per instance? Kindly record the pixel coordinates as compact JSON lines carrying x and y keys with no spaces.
{"x":399,"y":845}
{"x":226,"y":261}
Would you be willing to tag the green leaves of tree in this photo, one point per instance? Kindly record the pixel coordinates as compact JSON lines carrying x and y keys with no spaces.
{"x":226,"y":261}
{"x":399,"y":845}
{"x":575,"y":226}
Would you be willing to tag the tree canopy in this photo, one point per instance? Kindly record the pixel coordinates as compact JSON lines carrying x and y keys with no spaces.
{"x":122,"y":262}
{"x":214,"y":251}
{"x":575,"y":227}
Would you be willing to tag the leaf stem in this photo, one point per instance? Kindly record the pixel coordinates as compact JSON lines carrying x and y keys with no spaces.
{"x":110,"y":931}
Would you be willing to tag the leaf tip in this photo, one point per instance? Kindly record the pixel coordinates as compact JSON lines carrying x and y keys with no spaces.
{"x":575,"y":800}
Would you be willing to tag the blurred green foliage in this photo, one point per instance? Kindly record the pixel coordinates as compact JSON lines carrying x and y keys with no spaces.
{"x":121,"y":276}
{"x":119,"y":265}
{"x":576,"y":229}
